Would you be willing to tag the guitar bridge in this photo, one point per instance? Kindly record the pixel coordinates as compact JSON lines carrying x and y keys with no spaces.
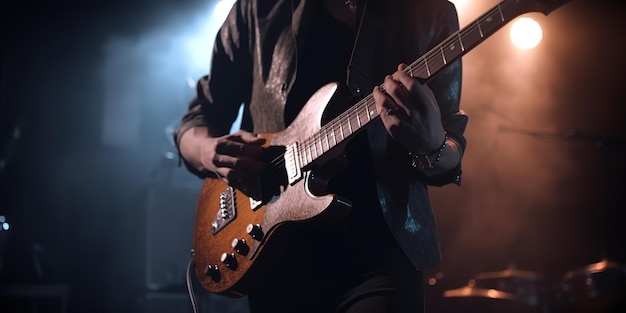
{"x":292,"y":166}
{"x":227,"y":211}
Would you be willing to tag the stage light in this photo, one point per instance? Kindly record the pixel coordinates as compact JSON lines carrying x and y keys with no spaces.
{"x":222,"y":9}
{"x":4,"y":223}
{"x":526,"y":33}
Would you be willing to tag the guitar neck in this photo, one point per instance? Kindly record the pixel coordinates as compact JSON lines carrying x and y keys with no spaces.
{"x":452,"y":48}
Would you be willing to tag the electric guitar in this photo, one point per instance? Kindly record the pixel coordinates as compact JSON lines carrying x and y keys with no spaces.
{"x":238,"y":236}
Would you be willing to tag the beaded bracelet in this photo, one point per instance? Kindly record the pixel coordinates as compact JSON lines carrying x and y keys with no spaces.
{"x":422,"y":162}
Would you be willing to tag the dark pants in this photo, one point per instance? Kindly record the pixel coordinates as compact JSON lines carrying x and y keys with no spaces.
{"x":342,"y":269}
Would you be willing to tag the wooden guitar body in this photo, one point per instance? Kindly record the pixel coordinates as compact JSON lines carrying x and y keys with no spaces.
{"x":224,"y":259}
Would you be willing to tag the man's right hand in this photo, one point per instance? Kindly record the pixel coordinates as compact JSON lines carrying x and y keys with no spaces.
{"x":234,"y":158}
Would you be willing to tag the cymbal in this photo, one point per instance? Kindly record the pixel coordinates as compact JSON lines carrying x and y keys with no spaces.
{"x":468,"y":291}
{"x":596,"y":268}
{"x":508,"y":273}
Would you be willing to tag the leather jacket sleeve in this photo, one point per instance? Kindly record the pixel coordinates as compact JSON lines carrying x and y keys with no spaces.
{"x":216,"y":101}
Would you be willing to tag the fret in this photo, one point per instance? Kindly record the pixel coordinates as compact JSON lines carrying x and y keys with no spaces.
{"x":334,"y":135}
{"x":458,"y":34}
{"x":341,"y":132}
{"x":472,"y":35}
{"x":490,"y":26}
{"x":301,"y":155}
{"x":443,"y":55}
{"x":435,"y":62}
{"x":373,"y":111}
{"x":451,"y":52}
{"x":427,"y":67}
{"x":327,"y":141}
{"x":369,"y":117}
{"x":318,"y":146}
{"x":358,"y":119}
{"x":349,"y":124}
{"x":510,"y":11}
{"x":317,"y":152}
{"x":480,"y":29}
{"x":314,"y":148}
{"x":500,"y":10}
{"x":309,"y":159}
{"x":318,"y":142}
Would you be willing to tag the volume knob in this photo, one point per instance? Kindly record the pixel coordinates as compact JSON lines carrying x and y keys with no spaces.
{"x":229,"y":260}
{"x":255,"y":231}
{"x":212,"y":271}
{"x":240,"y":246}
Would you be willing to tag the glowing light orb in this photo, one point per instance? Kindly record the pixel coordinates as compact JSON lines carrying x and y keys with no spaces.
{"x":526,"y":33}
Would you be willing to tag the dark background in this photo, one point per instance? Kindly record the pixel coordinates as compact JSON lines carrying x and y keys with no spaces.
{"x":91,"y":188}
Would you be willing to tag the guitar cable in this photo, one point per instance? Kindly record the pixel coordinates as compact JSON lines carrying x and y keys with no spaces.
{"x":192,"y":295}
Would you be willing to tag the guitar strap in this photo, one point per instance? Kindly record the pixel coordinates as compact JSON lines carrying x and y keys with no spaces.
{"x":358,"y":80}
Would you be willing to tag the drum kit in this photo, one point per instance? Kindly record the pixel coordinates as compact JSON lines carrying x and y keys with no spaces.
{"x":596,"y":288}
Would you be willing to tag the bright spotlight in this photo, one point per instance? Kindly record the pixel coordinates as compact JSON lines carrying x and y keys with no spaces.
{"x":526,"y":33}
{"x":4,"y":225}
{"x":222,"y":9}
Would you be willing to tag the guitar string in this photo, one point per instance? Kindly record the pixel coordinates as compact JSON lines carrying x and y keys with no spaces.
{"x":352,"y":118}
{"x":277,"y":164}
{"x":337,"y":125}
{"x":419,"y":65}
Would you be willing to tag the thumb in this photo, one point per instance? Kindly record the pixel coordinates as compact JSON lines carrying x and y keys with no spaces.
{"x":252,"y":139}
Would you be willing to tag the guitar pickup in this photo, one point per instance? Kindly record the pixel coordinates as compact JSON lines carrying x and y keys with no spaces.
{"x":292,"y":166}
{"x":227,"y":210}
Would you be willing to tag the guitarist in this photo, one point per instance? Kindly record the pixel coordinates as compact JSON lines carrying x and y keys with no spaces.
{"x":272,"y":55}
